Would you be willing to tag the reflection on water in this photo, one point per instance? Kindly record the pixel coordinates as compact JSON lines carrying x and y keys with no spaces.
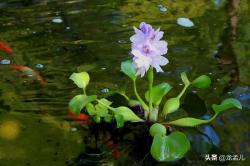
{"x":9,"y":130}
{"x":56,"y":38}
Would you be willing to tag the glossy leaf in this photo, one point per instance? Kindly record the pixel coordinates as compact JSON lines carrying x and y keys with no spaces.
{"x":108,"y":118}
{"x":90,"y":109}
{"x":80,"y":79}
{"x":226,"y":104}
{"x":78,"y":102}
{"x":97,"y":119}
{"x":128,"y":115}
{"x":189,"y":122}
{"x":158,"y":92}
{"x":133,"y":103}
{"x":202,"y":82}
{"x":169,"y":148}
{"x":184,"y":78}
{"x":119,"y":121}
{"x":128,"y":69}
{"x":157,"y":128}
{"x":102,"y":107}
{"x":171,"y":105}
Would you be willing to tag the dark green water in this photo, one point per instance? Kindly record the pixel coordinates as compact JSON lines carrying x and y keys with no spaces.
{"x":93,"y":36}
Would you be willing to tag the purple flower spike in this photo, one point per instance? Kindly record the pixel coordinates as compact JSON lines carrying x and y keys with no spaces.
{"x":144,"y":31}
{"x":148,"y":48}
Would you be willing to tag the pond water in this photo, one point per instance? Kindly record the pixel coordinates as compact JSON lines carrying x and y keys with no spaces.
{"x":58,"y":37}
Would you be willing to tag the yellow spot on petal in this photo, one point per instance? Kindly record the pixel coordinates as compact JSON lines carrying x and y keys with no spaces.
{"x":9,"y":130}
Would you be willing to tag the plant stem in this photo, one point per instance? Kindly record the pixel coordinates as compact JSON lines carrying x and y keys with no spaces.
{"x":125,"y":96}
{"x":84,"y":91}
{"x":186,"y":83}
{"x":152,"y":115}
{"x":144,"y":105}
{"x":111,"y":108}
{"x":183,"y":91}
{"x":150,"y":85}
{"x":201,"y":121}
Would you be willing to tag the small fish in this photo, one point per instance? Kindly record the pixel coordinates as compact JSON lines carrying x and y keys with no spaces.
{"x":82,"y":119}
{"x":5,"y":48}
{"x":116,"y":153}
{"x":114,"y":147}
{"x":29,"y":72}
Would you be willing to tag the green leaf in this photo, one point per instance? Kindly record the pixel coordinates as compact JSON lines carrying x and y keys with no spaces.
{"x":80,"y":79}
{"x":78,"y":102}
{"x":226,"y":104}
{"x":102,"y":107}
{"x":169,"y":148}
{"x":128,"y":69}
{"x":192,"y":122}
{"x":158,"y":92}
{"x":201,"y":82}
{"x":97,"y":119}
{"x":157,"y":128}
{"x":171,"y":105}
{"x":184,"y":79}
{"x":90,"y":109}
{"x":119,"y":121}
{"x":128,"y":115}
{"x":108,"y":118}
{"x":189,"y":122}
{"x":133,"y":103}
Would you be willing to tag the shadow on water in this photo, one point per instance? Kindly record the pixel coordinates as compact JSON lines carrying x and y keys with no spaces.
{"x":55,"y":38}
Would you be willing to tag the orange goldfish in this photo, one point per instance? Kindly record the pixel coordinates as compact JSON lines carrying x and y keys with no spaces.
{"x":5,"y":48}
{"x":28,"y":71}
{"x":82,"y":119}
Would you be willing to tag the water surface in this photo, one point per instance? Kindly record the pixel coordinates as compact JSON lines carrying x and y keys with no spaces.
{"x":56,"y":38}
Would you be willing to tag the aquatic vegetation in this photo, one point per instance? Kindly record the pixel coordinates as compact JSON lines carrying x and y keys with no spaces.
{"x":148,"y":50}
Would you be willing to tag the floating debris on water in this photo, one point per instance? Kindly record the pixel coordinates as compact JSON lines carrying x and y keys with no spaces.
{"x":5,"y":62}
{"x":194,"y":91}
{"x":68,"y":28}
{"x":122,"y":41}
{"x":73,"y":129}
{"x":162,"y":8}
{"x":39,"y":66}
{"x":104,"y":90}
{"x":103,"y":68}
{"x":185,"y":22}
{"x":57,"y":20}
{"x":30,"y":75}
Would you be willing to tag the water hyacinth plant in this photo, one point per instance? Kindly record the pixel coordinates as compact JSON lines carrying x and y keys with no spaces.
{"x":148,"y":50}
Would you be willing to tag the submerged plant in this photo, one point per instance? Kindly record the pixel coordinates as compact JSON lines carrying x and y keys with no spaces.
{"x":148,"y":50}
